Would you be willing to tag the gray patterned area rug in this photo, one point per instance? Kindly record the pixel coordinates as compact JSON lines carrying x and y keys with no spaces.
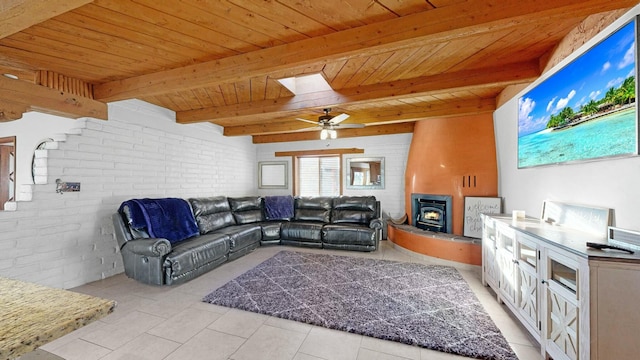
{"x":425,"y":305}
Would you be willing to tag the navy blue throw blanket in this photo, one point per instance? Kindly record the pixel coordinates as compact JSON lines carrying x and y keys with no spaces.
{"x":278,"y":207}
{"x":168,"y":218}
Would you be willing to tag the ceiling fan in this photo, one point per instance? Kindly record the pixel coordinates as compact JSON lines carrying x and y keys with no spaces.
{"x":328,"y":124}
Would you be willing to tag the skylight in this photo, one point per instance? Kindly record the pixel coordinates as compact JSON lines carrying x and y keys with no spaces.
{"x":305,"y":84}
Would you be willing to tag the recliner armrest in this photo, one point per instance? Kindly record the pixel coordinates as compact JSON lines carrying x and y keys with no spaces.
{"x":148,"y":247}
{"x":376,"y":224}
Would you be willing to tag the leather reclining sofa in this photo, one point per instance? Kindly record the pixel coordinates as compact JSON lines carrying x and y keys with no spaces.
{"x":232,"y":227}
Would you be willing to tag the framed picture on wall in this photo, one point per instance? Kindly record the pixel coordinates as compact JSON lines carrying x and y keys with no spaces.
{"x":474,"y":206}
{"x":586,"y":110}
{"x":272,"y":175}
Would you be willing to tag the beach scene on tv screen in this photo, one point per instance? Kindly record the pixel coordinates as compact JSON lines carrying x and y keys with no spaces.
{"x":586,"y":110}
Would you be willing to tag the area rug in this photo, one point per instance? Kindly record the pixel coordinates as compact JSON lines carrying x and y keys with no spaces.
{"x":425,"y":305}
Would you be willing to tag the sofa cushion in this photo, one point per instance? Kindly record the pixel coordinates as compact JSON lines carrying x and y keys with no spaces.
{"x":365,"y":203}
{"x":209,"y":205}
{"x":245,"y":203}
{"x":242,"y":236}
{"x":351,"y":216}
{"x":302,"y":231}
{"x":348,"y":234}
{"x":212,"y":213}
{"x":313,"y":209}
{"x":196,"y":252}
{"x":247,"y":209}
{"x":248,"y":217}
{"x":354,"y":209}
{"x":271,"y":230}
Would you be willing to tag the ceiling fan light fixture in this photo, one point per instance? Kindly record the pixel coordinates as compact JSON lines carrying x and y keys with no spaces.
{"x":328,"y":124}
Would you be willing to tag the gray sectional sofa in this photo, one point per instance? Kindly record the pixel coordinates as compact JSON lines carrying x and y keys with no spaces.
{"x":226,"y":228}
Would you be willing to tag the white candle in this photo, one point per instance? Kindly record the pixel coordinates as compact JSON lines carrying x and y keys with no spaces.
{"x":517,"y":215}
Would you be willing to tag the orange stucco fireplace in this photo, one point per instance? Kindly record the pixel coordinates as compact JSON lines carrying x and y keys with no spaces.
{"x":449,"y":157}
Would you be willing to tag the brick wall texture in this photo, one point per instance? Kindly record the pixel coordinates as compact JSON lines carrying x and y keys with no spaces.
{"x":66,"y":240}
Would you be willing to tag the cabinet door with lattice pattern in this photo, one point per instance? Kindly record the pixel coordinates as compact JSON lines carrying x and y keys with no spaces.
{"x":505,"y":256}
{"x":562,"y":326}
{"x":562,"y":307}
{"x":527,"y":294}
{"x":490,"y":271}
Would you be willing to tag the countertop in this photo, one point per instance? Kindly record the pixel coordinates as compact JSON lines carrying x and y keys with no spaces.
{"x":572,"y":240}
{"x":31,"y":315}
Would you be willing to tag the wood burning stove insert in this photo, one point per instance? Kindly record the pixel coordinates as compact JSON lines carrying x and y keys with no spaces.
{"x":432,"y":212}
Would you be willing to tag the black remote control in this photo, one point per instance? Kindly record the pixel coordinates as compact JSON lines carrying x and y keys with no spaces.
{"x":607,"y":246}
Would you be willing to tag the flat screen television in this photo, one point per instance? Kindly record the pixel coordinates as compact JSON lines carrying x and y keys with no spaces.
{"x":585,"y":111}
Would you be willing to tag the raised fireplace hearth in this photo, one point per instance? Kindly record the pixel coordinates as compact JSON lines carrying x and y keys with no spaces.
{"x":432,"y":212}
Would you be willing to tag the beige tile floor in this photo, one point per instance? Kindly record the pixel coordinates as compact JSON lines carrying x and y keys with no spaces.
{"x":172,"y":323}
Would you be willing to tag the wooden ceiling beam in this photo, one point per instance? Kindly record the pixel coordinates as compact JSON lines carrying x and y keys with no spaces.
{"x":284,"y":126}
{"x":44,"y":99}
{"x":383,"y":116}
{"x":10,"y":110}
{"x":17,"y":15}
{"x":401,"y":128}
{"x":421,"y":111}
{"x":472,"y":17}
{"x":428,"y":85}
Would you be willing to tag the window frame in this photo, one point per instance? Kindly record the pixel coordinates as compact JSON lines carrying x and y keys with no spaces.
{"x":316,"y":153}
{"x":297,"y":181}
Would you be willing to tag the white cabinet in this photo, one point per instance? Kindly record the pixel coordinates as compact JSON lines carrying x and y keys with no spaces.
{"x":540,"y":285}
{"x":564,"y":298}
{"x":579,"y":304}
{"x":510,"y":267}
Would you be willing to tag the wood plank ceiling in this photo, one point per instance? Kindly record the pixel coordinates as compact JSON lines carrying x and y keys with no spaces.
{"x":389,"y":62}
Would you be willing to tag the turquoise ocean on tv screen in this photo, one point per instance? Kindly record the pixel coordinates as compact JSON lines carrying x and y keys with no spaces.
{"x":609,"y":135}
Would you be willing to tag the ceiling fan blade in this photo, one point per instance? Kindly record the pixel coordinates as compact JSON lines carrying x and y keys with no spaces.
{"x":309,"y":129}
{"x":308,"y":121}
{"x":338,"y":118}
{"x":350,"y":126}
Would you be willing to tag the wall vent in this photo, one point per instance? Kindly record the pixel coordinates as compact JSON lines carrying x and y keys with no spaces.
{"x":469,"y":181}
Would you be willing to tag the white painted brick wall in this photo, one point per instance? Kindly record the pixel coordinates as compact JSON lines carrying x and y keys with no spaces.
{"x":65,"y":240}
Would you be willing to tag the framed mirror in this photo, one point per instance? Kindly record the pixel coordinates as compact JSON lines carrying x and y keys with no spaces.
{"x":272,"y":175}
{"x":365,"y":173}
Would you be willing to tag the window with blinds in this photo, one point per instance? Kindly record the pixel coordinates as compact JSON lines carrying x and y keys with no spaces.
{"x":319,"y":176}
